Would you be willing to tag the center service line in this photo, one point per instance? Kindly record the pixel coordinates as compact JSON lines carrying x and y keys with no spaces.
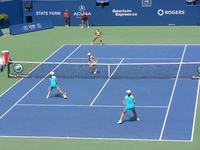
{"x":106,"y":82}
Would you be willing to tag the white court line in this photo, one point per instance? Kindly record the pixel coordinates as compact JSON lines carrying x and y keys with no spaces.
{"x":106,"y":83}
{"x":135,"y":58}
{"x":195,"y":111}
{"x":139,"y":44}
{"x":87,"y":138}
{"x":55,"y":105}
{"x":22,"y":79}
{"x":37,"y":84}
{"x":172,"y":94}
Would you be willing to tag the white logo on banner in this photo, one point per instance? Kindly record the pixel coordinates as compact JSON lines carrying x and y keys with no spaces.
{"x":81,"y":11}
{"x":162,"y":12}
{"x":81,"y":8}
{"x":38,"y":25}
{"x":124,"y":13}
{"x":146,"y":3}
{"x":46,"y":13}
{"x":2,"y":1}
{"x":32,"y":26}
{"x":25,"y":27}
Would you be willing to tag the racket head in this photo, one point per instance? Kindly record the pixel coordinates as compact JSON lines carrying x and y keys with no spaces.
{"x":123,"y":101}
{"x":102,"y":32}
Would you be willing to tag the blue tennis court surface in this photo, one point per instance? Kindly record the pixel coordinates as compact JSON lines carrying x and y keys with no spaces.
{"x":166,"y":107}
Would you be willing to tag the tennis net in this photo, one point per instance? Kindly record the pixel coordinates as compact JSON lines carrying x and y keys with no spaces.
{"x":184,"y":70}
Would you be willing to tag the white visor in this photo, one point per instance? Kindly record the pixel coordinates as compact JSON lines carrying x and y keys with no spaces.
{"x":128,"y":91}
{"x":52,"y":73}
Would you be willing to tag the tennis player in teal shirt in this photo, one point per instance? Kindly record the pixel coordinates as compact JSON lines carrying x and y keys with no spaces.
{"x":129,"y":101}
{"x":54,"y":85}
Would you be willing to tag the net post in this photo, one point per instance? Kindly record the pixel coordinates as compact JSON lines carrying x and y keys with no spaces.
{"x":8,"y":69}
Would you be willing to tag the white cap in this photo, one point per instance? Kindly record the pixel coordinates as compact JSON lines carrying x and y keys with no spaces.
{"x":128,"y":91}
{"x":89,"y":54}
{"x":51,"y":73}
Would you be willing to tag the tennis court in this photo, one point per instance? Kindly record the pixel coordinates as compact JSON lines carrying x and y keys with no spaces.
{"x":166,"y":107}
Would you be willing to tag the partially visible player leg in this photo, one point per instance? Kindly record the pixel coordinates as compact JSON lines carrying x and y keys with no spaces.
{"x":49,"y":92}
{"x":100,"y":41}
{"x":92,"y":67}
{"x":95,"y":70}
{"x":62,"y":92}
{"x":87,"y":23}
{"x":93,"y":40}
{"x":121,"y":117}
{"x":82,"y":23}
{"x":136,"y":115}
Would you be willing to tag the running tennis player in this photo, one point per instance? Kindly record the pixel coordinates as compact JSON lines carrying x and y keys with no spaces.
{"x":54,"y":85}
{"x":98,"y":34}
{"x":130,"y":106}
{"x":93,"y":61}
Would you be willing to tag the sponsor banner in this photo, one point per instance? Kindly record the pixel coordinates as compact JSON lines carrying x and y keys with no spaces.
{"x":12,"y":75}
{"x":30,"y":27}
{"x":17,"y":71}
{"x":124,"y":12}
{"x":198,"y":69}
{"x":2,"y":1}
{"x":1,"y":33}
{"x":140,"y":12}
{"x":48,"y":13}
{"x":162,"y":12}
{"x":196,"y":77}
{"x":80,"y":11}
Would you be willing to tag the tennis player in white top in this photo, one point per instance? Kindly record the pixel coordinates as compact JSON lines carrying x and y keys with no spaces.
{"x":93,"y":61}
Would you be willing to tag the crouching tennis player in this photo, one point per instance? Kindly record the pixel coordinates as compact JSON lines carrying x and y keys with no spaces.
{"x":130,"y":106}
{"x":93,"y":61}
{"x":54,"y":85}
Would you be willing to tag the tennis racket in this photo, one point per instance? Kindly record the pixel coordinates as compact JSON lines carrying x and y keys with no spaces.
{"x":123,"y":101}
{"x":101,"y":32}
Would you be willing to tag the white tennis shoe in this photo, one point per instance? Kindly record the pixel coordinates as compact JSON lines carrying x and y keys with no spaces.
{"x":119,"y":122}
{"x":65,"y":96}
{"x":95,"y":71}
